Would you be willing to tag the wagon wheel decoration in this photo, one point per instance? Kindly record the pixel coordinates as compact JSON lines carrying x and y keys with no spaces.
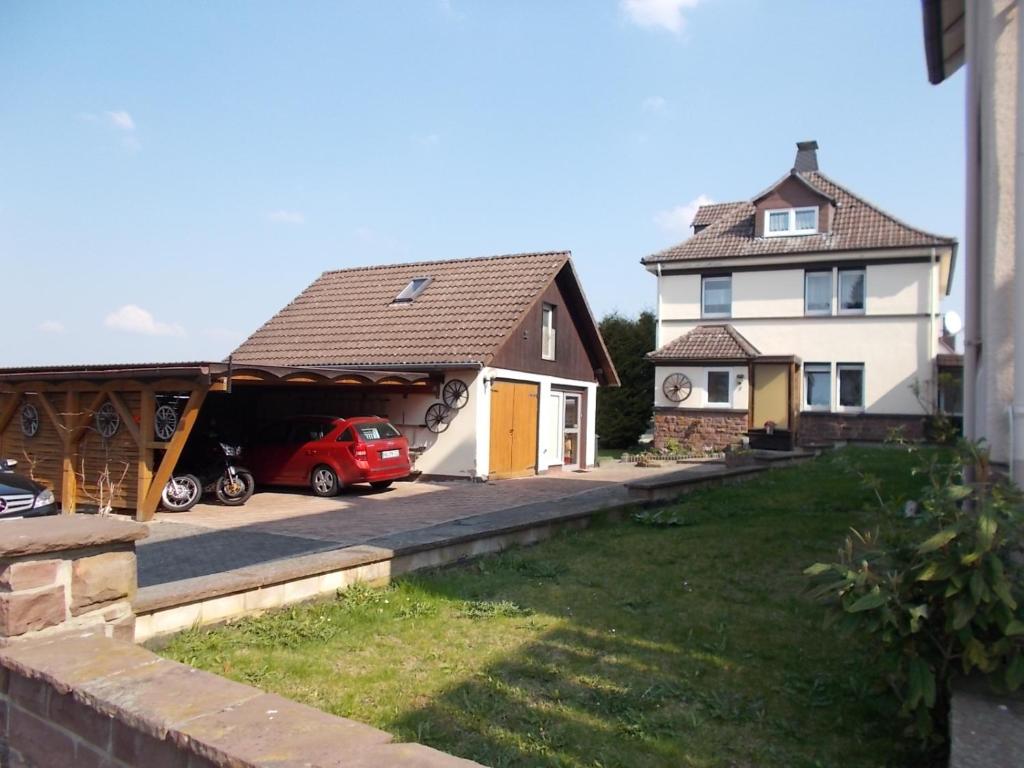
{"x":455,"y":394}
{"x":165,"y":421}
{"x":108,"y":421}
{"x":438,"y":417}
{"x":29,"y":420}
{"x":677,"y":387}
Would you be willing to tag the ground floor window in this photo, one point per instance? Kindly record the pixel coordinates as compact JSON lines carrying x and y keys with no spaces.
{"x":851,"y":385}
{"x":818,"y":386}
{"x":718,"y":388}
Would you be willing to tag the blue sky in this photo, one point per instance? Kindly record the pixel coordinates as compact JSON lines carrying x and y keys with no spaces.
{"x":171,"y":174}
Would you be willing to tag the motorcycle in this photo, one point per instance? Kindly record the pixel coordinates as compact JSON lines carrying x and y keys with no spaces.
{"x":232,"y":484}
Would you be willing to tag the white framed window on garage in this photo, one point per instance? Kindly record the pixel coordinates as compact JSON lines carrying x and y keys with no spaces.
{"x":850,"y":386}
{"x":719,"y":388}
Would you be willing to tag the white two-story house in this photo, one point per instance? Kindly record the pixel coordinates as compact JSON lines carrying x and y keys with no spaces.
{"x":806,"y":313}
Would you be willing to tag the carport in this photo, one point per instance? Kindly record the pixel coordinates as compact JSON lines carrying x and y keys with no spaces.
{"x":109,"y":436}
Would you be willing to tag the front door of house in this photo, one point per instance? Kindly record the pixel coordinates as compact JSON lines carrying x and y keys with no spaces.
{"x":514,"y":407}
{"x":771,"y":395}
{"x":571,"y":432}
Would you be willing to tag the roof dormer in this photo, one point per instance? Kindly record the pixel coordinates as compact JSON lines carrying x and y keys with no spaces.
{"x":794,"y":206}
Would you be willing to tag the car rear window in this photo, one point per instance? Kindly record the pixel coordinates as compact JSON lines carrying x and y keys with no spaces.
{"x":378,"y":430}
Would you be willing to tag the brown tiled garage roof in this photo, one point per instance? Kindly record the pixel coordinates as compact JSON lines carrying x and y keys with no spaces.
{"x":707,"y":342}
{"x":349,"y":317}
{"x":856,"y":225}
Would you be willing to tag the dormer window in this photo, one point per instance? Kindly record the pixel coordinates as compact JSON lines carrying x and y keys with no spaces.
{"x":786,"y":222}
{"x":415,"y":287}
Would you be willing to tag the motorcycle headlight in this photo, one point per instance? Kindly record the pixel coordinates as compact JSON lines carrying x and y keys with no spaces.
{"x":44,"y":498}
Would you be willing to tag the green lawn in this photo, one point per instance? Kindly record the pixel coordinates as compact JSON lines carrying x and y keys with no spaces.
{"x":624,"y":645}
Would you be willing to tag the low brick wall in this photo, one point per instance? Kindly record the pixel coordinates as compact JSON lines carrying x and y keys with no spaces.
{"x":86,"y":700}
{"x":699,"y":430}
{"x":64,"y":574}
{"x":826,"y":428}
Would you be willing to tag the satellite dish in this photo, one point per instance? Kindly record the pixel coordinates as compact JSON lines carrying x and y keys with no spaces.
{"x":953,"y":322}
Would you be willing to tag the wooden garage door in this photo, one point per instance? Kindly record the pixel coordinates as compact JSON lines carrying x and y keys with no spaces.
{"x":514,"y":428}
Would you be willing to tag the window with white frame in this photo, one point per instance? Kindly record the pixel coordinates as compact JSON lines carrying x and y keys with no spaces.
{"x":851,"y":291}
{"x":547,"y":332}
{"x":850,"y":377}
{"x":716,"y":296}
{"x":818,"y":386}
{"x":719,"y":389}
{"x":818,"y":293}
{"x":415,"y":287}
{"x":785,"y":222}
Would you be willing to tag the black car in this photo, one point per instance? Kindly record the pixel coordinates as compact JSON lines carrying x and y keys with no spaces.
{"x":21,"y":497}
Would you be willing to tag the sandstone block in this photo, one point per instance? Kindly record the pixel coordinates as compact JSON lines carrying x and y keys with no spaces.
{"x":102,"y":579}
{"x":39,"y":742}
{"x":28,"y":574}
{"x":80,"y":719}
{"x":22,"y":612}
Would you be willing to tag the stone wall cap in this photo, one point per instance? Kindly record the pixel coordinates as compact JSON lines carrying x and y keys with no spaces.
{"x":40,"y":535}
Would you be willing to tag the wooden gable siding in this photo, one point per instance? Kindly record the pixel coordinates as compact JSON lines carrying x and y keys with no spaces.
{"x":521,"y":351}
{"x":791,"y":193}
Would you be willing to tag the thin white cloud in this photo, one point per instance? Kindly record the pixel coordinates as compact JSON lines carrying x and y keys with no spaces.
{"x":654,"y":104}
{"x":121,"y":120}
{"x":132,"y":318}
{"x":428,"y":140}
{"x":51,"y":326}
{"x":678,"y":220}
{"x":658,"y":14}
{"x":282,"y":216}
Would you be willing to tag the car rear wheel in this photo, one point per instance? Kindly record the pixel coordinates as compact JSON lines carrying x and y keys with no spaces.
{"x":381,"y":485}
{"x":324,"y":482}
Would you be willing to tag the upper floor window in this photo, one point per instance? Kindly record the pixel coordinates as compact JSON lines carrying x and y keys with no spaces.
{"x":791,"y":221}
{"x":547,"y":332}
{"x":415,"y":287}
{"x":818,"y":293}
{"x":716,"y":296}
{"x":851,"y":290}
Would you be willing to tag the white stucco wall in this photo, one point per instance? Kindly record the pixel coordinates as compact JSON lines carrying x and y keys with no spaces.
{"x":699,"y":396}
{"x":454,"y":451}
{"x":894,"y":351}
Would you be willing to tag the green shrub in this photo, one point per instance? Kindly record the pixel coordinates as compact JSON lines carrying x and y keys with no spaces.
{"x":938,"y":589}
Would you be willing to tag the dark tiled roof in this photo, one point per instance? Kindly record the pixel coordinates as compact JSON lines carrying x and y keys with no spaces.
{"x":856,"y":225}
{"x":348,"y":317}
{"x":707,"y":342}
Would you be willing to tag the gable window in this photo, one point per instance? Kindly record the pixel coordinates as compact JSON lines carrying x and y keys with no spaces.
{"x":716,"y":296}
{"x":818,"y":293}
{"x":547,"y":332}
{"x":818,"y":386}
{"x":851,"y":385}
{"x":791,"y":221}
{"x":415,"y":287}
{"x":718,"y":388}
{"x":851,"y":290}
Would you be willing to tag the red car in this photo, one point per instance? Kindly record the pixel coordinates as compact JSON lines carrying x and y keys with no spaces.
{"x":328,"y":453}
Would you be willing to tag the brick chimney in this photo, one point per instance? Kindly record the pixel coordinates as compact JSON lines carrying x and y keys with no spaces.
{"x":806,"y":156}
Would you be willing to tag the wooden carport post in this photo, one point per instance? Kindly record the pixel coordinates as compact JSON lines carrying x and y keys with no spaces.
{"x":147,"y":507}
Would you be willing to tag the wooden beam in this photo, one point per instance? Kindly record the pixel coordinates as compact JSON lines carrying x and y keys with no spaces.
{"x":127,"y":419}
{"x":83,"y":417}
{"x":145,"y":465}
{"x":173,"y":453}
{"x":68,"y":478}
{"x":58,"y":422}
{"x":9,"y":409}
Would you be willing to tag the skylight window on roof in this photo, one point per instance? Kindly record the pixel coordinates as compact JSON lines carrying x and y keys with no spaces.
{"x":415,"y":287}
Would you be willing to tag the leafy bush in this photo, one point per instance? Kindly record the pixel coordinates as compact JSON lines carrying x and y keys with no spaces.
{"x":939,"y":591}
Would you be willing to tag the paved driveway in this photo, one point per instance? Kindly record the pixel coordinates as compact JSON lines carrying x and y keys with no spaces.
{"x":274,"y":524}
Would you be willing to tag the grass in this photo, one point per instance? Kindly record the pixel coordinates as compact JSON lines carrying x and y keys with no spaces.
{"x":677,"y":641}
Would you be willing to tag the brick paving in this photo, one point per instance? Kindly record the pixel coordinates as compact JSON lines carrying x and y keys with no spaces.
{"x":278,"y":524}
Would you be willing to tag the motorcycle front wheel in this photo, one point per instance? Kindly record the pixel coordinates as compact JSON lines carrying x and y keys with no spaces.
{"x":235,"y":491}
{"x":181,"y":493}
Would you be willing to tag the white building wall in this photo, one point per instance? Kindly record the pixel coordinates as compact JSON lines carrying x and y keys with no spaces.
{"x":698,"y":399}
{"x":893,"y":338}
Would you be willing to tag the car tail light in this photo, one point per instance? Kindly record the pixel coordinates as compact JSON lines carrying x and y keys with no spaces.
{"x":360,"y":453}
